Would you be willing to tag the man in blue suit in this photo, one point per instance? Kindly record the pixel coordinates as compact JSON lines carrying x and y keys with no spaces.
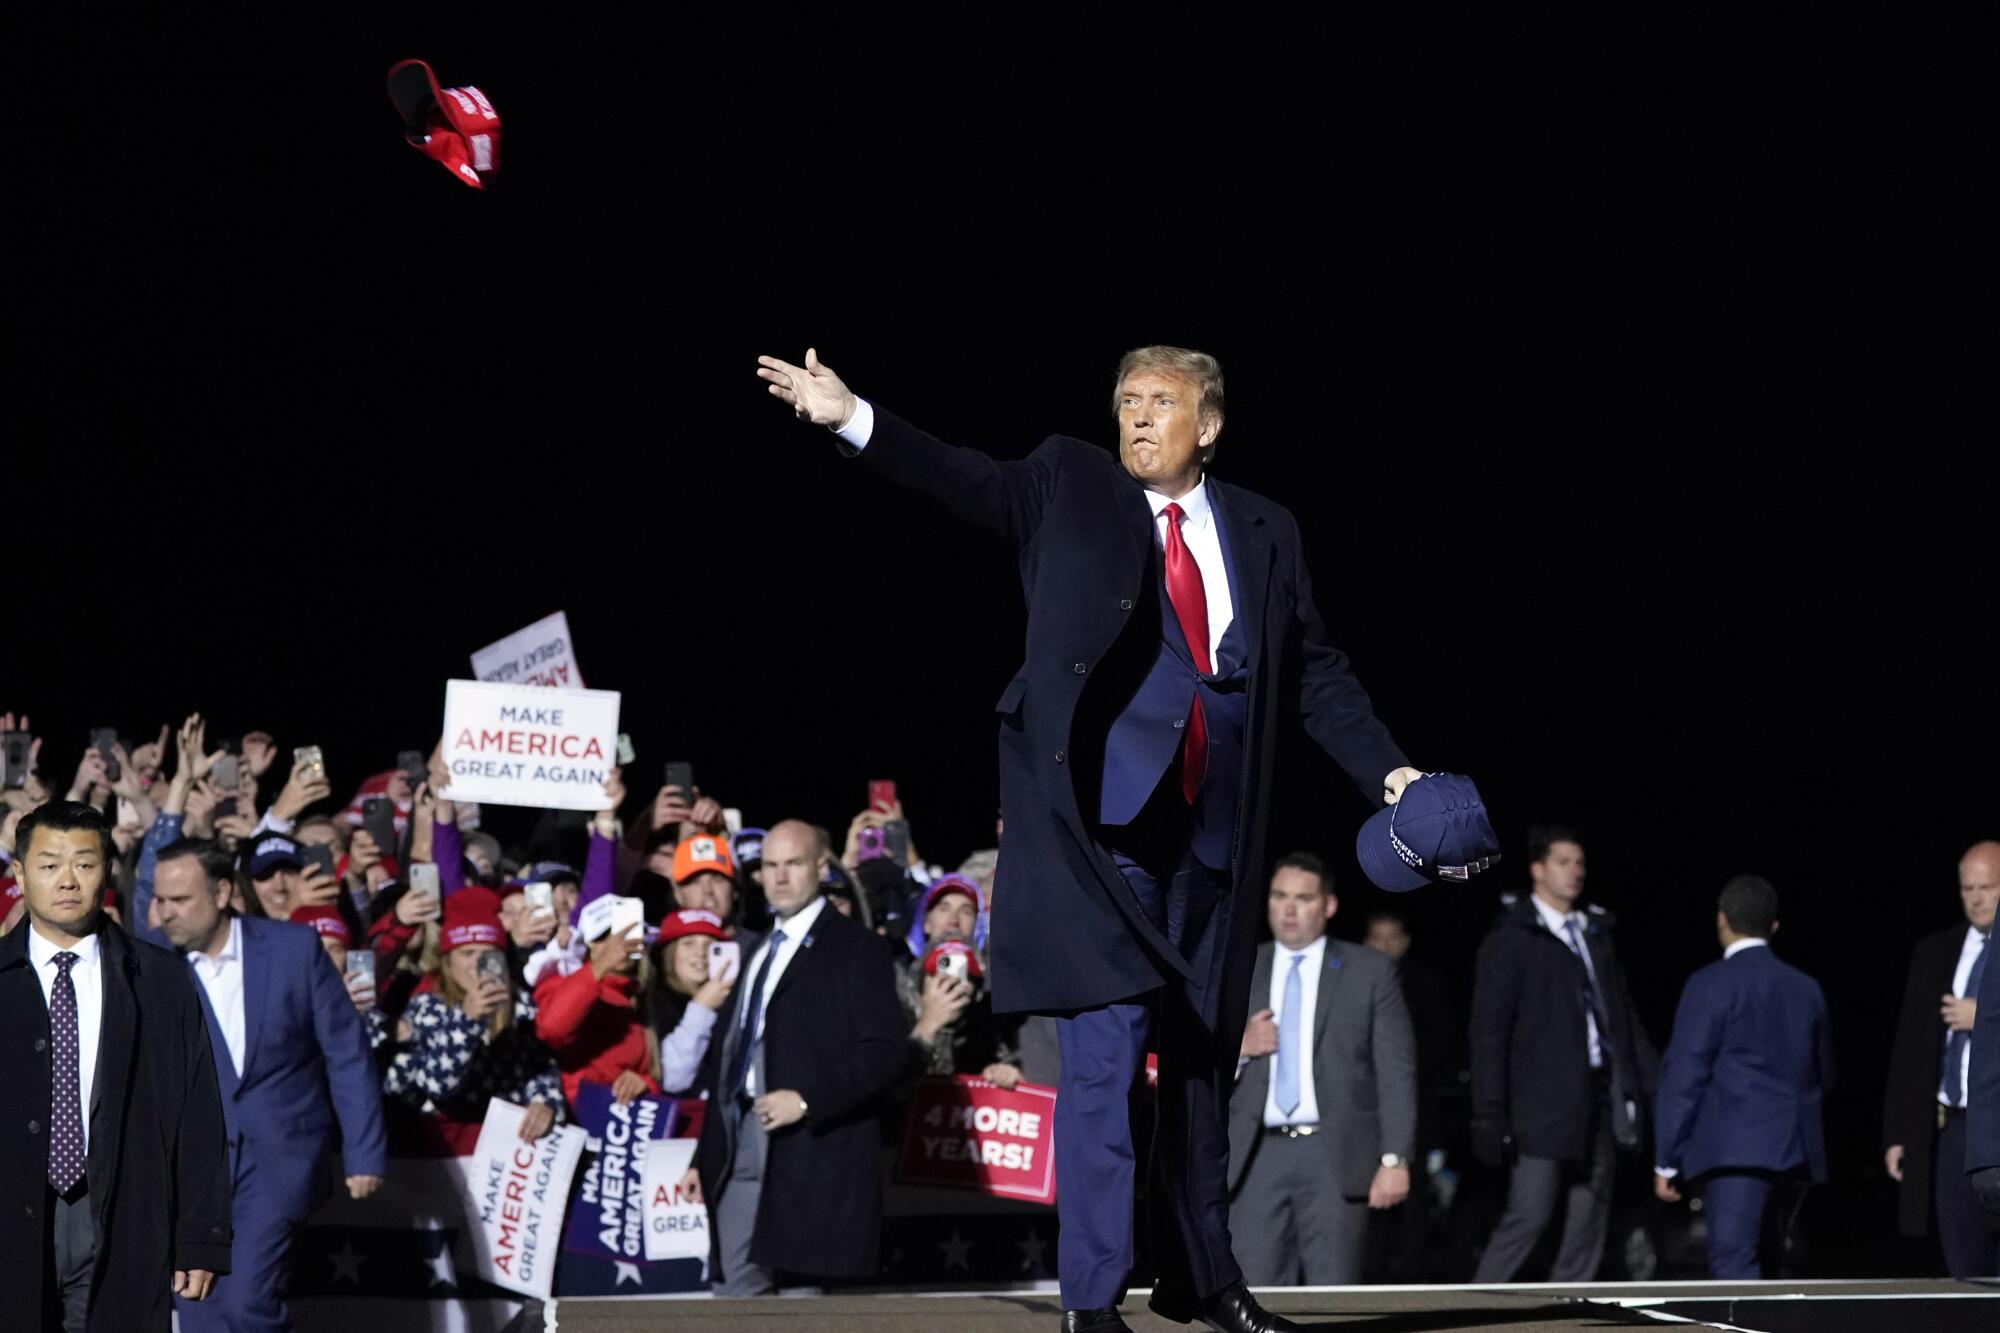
{"x":1171,"y":632}
{"x":1741,"y":1087}
{"x":295,"y":1072}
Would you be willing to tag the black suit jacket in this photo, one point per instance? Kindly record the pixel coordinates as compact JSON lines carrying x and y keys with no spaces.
{"x":1916,"y":1068}
{"x":1531,"y":1044}
{"x":834,"y":1033}
{"x":1082,"y":534}
{"x":158,"y":1176}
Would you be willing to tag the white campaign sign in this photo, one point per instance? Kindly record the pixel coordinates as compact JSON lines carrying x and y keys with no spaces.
{"x":520,"y":745}
{"x":676,"y":1226}
{"x":518,"y":1192}
{"x":541,"y":654}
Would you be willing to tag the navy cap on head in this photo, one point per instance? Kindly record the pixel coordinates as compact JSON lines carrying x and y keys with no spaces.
{"x":1438,"y":830}
{"x":270,"y":852}
{"x":553,"y":872}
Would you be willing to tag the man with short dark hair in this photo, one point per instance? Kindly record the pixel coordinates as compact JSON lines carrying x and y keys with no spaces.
{"x":96,"y":1113}
{"x":1741,"y":1088}
{"x":1562,"y":1070}
{"x":1323,"y":1122}
{"x":292,"y":1058}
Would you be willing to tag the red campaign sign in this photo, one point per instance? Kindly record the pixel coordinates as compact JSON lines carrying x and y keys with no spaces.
{"x":964,"y":1133}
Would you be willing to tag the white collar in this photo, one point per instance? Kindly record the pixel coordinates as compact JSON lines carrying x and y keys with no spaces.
{"x":1195,"y":508}
{"x":801,"y":923}
{"x":232,"y":951}
{"x":1555,"y":920}
{"x":42,"y":952}
{"x":1741,"y":945}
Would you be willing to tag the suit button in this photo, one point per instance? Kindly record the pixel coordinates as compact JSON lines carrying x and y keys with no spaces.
{"x":31,"y":1210}
{"x":215,"y":1230}
{"x":34,"y":1126}
{"x":41,"y":1043}
{"x":1179,"y":722}
{"x":1079,"y":668}
{"x":1124,"y":603}
{"x":1059,"y":756}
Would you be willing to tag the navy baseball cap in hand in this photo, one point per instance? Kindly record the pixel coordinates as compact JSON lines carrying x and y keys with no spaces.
{"x":1438,"y":830}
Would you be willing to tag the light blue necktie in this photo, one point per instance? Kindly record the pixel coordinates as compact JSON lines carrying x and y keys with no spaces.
{"x":1288,"y":1040}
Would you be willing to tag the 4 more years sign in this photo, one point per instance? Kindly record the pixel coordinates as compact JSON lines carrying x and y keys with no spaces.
{"x":965,"y":1133}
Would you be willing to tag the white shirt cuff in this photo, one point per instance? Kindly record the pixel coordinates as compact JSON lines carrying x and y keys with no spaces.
{"x":1665,"y":1172}
{"x":855,"y":434}
{"x":274,"y":823}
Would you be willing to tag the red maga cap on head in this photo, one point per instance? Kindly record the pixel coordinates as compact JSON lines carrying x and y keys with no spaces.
{"x":471,"y":916}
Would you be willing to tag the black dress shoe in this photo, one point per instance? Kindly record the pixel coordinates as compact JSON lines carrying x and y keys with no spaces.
{"x":1231,"y":1310}
{"x":1094,"y":1321}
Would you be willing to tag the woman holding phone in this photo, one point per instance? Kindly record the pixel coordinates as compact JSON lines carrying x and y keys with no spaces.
{"x":690,"y":984}
{"x":467,"y":1037}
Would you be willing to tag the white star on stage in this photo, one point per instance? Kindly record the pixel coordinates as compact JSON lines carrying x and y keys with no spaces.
{"x":625,"y":1271}
{"x":347,"y":1264}
{"x":442,"y":1273}
{"x":957,"y":1251}
{"x":1031,"y":1251}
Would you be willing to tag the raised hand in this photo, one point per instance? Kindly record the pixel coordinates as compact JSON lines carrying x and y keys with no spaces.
{"x":812,"y":391}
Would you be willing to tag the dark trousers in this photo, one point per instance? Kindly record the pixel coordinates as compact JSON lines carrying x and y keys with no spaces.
{"x":1749,"y":1216}
{"x":1103,"y":1052}
{"x":1971,"y":1245}
{"x":71,"y":1249}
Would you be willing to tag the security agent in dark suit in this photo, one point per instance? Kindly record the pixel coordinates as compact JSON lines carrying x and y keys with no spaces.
{"x":1928,"y":1103}
{"x":806,"y":1053}
{"x":113,"y":1167}
{"x":1324,"y":1119}
{"x":1741,"y":1089}
{"x":1562,"y":1071}
{"x":1166,"y":612}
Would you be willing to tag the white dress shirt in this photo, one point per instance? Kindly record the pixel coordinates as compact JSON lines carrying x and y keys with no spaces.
{"x":1205,"y":545}
{"x":222,"y":977}
{"x":86,"y":977}
{"x":795,"y":930}
{"x":1557,"y":924}
{"x":1314,"y":954}
{"x":1961,"y":977}
{"x":1197,"y":530}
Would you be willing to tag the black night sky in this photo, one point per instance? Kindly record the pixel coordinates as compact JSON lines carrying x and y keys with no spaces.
{"x":1622,"y":432}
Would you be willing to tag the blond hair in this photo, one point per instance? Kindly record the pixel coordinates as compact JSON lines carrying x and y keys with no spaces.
{"x":1200,"y":367}
{"x":448,"y":988}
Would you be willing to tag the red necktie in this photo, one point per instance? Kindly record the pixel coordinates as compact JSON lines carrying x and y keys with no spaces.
{"x":1190,"y":601}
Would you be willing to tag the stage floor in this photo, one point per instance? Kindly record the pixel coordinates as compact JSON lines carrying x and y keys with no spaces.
{"x":1763,"y":1307}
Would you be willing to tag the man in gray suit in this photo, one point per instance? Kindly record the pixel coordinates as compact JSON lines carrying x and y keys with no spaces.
{"x":1324,"y":1117}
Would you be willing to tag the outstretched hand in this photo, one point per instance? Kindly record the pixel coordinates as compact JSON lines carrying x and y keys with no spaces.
{"x":812,"y":391}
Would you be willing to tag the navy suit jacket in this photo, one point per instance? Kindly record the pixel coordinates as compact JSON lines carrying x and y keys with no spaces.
{"x":1982,"y":1092}
{"x":1744,"y":1076}
{"x":1067,"y":932}
{"x":307,"y":1070}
